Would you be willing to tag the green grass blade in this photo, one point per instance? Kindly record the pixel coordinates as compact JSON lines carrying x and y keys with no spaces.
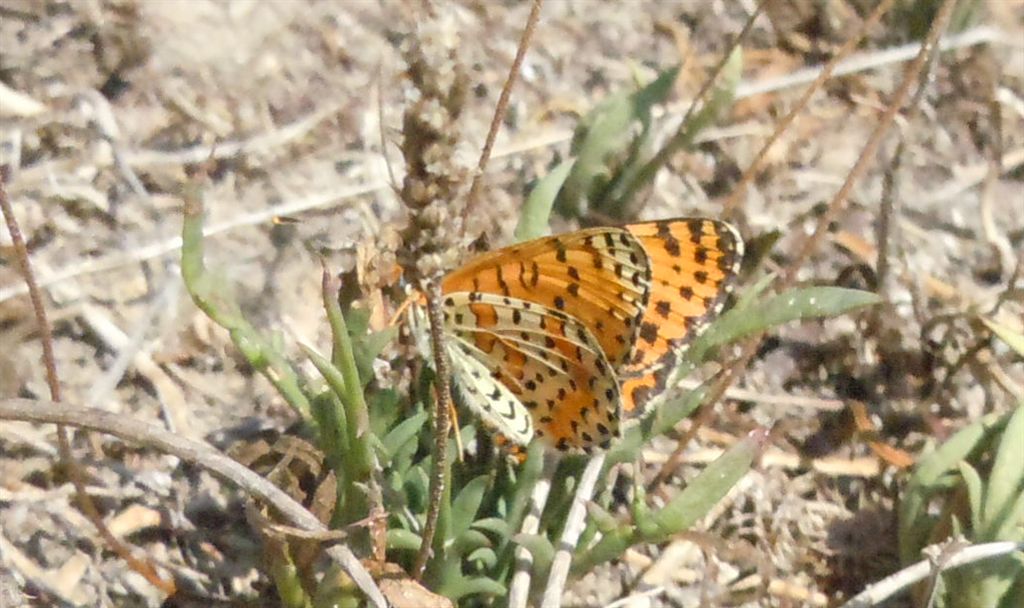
{"x":535,"y":215}
{"x":402,"y":434}
{"x":210,"y":296}
{"x":915,"y":523}
{"x":793,"y":305}
{"x":705,"y":490}
{"x":466,"y":505}
{"x":1006,"y":480}
{"x":605,"y":132}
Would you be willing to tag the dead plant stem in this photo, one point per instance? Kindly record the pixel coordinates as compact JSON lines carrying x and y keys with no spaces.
{"x":502,"y":107}
{"x":86,"y":503}
{"x":442,"y":425}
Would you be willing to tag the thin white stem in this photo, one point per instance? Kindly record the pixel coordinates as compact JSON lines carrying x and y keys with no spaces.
{"x":574,"y":525}
{"x":891,"y":585}
{"x":519,"y":590}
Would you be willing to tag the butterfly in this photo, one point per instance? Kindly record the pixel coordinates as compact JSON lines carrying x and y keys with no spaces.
{"x":567,"y":336}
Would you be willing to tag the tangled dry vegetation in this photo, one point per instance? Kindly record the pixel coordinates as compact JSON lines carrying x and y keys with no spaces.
{"x":106,"y":106}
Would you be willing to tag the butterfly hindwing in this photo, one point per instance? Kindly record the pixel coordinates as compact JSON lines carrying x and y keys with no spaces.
{"x":547,"y":359}
{"x":487,"y":397}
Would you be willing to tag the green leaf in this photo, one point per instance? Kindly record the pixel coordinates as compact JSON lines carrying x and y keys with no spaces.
{"x":469,"y":541}
{"x":975,"y":492}
{"x":486,"y":557}
{"x":405,"y":432}
{"x":400,"y":539}
{"x":603,"y":133}
{"x":1006,"y":481}
{"x":495,"y":525}
{"x":793,"y":305}
{"x":529,"y":474}
{"x":539,"y":547}
{"x":611,"y":546}
{"x":466,"y":504}
{"x":330,"y":373}
{"x":466,"y":586}
{"x":640,"y":174}
{"x":665,"y":415}
{"x":928,"y":476}
{"x":755,"y":292}
{"x":536,"y":211}
{"x":368,"y":347}
{"x":704,"y":491}
{"x":1012,"y":526}
{"x":605,"y":521}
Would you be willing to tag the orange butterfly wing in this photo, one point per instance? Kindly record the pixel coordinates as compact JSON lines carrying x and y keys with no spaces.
{"x":694,"y":264}
{"x":600,"y":276}
{"x":557,"y":382}
{"x":617,"y":305}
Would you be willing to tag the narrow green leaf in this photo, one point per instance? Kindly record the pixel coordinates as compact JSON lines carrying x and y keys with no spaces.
{"x":611,"y":546}
{"x":1006,"y":480}
{"x":975,"y":492}
{"x":469,"y":541}
{"x":404,"y":432}
{"x":539,"y":547}
{"x":603,"y":133}
{"x":754,"y":293}
{"x":1012,"y":526}
{"x":640,"y":174}
{"x":467,"y":586}
{"x":368,"y":347}
{"x":211,"y":295}
{"x":667,"y":412}
{"x":793,"y":305}
{"x":536,"y":212}
{"x":466,"y":505}
{"x":485,"y":556}
{"x":915,"y":524}
{"x":330,"y":373}
{"x":705,"y":490}
{"x":495,"y":525}
{"x":604,"y":520}
{"x":400,"y":539}
{"x":529,"y":474}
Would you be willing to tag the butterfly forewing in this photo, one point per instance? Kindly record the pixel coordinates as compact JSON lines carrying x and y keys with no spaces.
{"x":600,"y":276}
{"x":547,"y":359}
{"x":694,"y":263}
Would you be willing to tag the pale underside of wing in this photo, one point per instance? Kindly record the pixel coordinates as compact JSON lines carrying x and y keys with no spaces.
{"x":547,"y":359}
{"x":489,"y":399}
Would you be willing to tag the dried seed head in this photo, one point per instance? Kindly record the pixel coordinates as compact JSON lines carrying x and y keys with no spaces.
{"x":435,"y":182}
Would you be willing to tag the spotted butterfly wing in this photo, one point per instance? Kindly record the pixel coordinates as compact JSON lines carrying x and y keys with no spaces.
{"x":694,"y":264}
{"x":573,"y":329}
{"x":600,"y":276}
{"x":523,"y":366}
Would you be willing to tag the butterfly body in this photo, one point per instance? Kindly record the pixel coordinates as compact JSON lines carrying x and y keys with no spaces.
{"x":565,"y":336}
